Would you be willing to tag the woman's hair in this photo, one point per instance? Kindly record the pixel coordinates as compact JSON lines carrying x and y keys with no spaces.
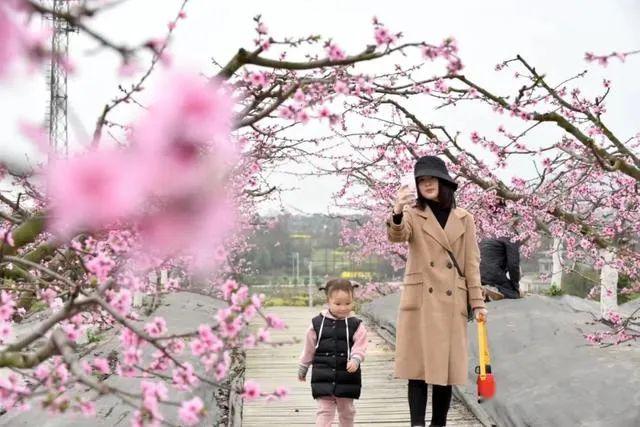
{"x":335,"y":285}
{"x":446,"y":196}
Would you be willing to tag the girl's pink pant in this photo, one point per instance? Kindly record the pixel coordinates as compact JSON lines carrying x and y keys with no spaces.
{"x":327,"y":411}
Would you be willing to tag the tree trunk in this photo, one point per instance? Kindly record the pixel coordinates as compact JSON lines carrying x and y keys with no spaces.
{"x":556,"y":268}
{"x":608,"y":285}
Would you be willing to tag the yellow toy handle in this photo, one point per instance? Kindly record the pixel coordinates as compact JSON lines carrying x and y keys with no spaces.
{"x":483,"y":349}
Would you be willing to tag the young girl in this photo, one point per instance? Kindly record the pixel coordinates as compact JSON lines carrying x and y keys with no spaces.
{"x":335,"y":344}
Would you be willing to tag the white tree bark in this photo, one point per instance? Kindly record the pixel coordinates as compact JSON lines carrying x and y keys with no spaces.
{"x":608,"y":285}
{"x":556,"y":267}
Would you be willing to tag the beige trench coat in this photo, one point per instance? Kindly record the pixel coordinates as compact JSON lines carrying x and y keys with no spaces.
{"x":431,"y":332}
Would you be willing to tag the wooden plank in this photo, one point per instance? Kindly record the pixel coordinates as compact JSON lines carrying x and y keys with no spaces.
{"x":383,"y":401}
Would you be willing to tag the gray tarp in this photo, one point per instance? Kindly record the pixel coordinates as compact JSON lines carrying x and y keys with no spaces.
{"x":546,"y":372}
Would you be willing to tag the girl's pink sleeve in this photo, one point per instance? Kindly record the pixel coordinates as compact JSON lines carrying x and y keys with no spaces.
{"x":360,"y":342}
{"x":309,"y":347}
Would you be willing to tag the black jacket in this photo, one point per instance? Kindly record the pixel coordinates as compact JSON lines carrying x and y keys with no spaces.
{"x":497,"y":258}
{"x":329,"y":376}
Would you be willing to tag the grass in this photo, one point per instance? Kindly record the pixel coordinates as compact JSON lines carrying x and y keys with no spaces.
{"x":93,"y":336}
{"x":554,"y":291}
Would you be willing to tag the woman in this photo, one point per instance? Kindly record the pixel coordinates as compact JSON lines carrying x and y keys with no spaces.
{"x":442,"y":274}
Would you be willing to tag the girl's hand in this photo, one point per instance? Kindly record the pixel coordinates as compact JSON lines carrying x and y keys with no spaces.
{"x":480,"y":314}
{"x":352,"y":366}
{"x":302,"y":379}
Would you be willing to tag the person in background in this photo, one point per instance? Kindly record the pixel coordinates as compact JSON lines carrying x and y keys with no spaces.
{"x":500,"y":268}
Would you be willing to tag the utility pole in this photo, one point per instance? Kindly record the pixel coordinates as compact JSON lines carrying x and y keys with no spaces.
{"x":57,"y":76}
{"x":310,"y":287}
{"x":297,"y":268}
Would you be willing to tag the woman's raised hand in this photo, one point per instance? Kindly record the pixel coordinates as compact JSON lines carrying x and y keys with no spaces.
{"x":404,"y":197}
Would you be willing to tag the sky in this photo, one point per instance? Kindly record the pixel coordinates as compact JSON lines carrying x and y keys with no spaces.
{"x":553,"y":35}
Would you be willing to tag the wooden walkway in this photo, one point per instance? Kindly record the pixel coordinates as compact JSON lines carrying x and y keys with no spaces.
{"x":383,"y":401}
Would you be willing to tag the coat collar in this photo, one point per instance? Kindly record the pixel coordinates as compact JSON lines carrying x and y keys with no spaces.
{"x":452,"y":230}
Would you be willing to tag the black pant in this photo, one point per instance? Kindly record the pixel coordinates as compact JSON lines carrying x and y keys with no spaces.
{"x":418,"y":403}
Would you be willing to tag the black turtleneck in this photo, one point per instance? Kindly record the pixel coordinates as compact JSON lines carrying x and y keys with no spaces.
{"x":442,"y":214}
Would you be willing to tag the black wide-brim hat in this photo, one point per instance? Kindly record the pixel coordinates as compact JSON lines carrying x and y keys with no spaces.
{"x":433,"y":166}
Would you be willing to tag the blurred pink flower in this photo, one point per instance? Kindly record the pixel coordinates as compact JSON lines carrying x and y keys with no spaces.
{"x":191,"y":410}
{"x":9,"y":39}
{"x":91,"y":190}
{"x":251,"y":390}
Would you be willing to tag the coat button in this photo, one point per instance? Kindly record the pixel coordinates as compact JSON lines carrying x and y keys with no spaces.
{"x":432,"y":264}
{"x":430,"y":290}
{"x":449,"y":265}
{"x":449,"y":292}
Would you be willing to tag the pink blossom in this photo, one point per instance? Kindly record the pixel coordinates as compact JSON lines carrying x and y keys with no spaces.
{"x":185,"y":133}
{"x":281,"y":392}
{"x":429,"y":52}
{"x":275,"y":322}
{"x":6,"y":330}
{"x":264,"y":335}
{"x":42,"y":371}
{"x":101,"y":365}
{"x":232,"y":328}
{"x":249,"y":312}
{"x":132,"y":356}
{"x":228,"y":287}
{"x":91,"y":190}
{"x":87,"y":408}
{"x":341,"y":87}
{"x":7,"y":305}
{"x":335,"y":53}
{"x":121,"y":301}
{"x":184,"y":377}
{"x":129,"y":338}
{"x":191,"y":410}
{"x":221,"y":371}
{"x":251,"y":390}
{"x":11,"y":45}
{"x":157,"y":327}
{"x":256,"y":300}
{"x":176,"y":346}
{"x":324,"y":112}
{"x":302,"y":117}
{"x":475,"y":137}
{"x":258,"y":79}
{"x":383,"y":36}
{"x":101,"y":266}
{"x":156,"y":390}
{"x":249,"y":341}
{"x":48,"y":295}
{"x":240,"y":296}
{"x":299,"y":96}
{"x":72,"y":331}
{"x":129,"y":68}
{"x":286,"y":113}
{"x":262,"y":29}
{"x":6,"y":236}
{"x":198,"y":347}
{"x":62,"y":373}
